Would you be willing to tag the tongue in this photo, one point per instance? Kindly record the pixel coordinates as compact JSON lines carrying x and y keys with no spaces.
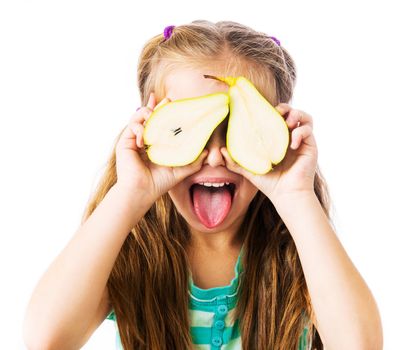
{"x":211,"y":204}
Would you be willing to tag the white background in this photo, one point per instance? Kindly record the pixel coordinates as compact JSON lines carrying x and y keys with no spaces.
{"x":68,"y":86}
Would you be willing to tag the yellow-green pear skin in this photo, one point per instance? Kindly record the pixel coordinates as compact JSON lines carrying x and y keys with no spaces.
{"x":257,"y":135}
{"x":176,"y":133}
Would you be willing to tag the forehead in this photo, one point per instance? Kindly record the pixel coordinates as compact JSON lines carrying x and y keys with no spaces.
{"x":186,"y":83}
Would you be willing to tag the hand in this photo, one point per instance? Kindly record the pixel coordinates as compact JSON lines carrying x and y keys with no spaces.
{"x":135,"y":172}
{"x":295,"y":173}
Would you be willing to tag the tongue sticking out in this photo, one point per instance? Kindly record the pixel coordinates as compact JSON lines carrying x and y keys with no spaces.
{"x":211,"y":204}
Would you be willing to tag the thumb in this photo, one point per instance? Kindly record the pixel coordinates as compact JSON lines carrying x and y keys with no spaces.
{"x":189,"y":169}
{"x":231,"y":164}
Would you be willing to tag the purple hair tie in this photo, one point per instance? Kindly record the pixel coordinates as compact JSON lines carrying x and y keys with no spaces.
{"x":275,"y":40}
{"x":168,"y":31}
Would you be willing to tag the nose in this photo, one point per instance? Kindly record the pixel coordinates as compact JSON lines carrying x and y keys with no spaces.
{"x":214,"y":157}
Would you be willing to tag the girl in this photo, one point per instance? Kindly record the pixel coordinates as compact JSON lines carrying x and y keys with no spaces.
{"x":154,"y":255}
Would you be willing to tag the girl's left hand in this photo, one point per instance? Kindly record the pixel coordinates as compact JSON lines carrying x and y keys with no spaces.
{"x":295,"y":173}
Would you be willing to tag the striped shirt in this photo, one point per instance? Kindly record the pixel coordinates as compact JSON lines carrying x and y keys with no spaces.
{"x":210,"y":311}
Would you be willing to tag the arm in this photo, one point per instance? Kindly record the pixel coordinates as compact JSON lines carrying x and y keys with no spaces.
{"x":70,"y":300}
{"x":347,"y":316}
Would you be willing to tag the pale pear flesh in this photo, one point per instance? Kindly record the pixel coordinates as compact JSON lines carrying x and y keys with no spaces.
{"x":177,"y":132}
{"x":257,"y":135}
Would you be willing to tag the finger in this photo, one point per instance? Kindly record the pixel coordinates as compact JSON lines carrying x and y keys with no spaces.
{"x":132,"y":136}
{"x":141,"y":115}
{"x":234,"y":166}
{"x":303,"y":133}
{"x":297,"y":117}
{"x":199,"y":160}
{"x":127,"y":139}
{"x":189,"y":169}
{"x":283,"y":108}
{"x":152,"y":101}
{"x":137,"y":129}
{"x":294,"y":117}
{"x":162,"y":102}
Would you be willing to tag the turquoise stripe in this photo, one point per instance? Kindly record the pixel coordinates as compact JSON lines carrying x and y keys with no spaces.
{"x":209,"y":306}
{"x":303,"y":340}
{"x":111,"y":316}
{"x":202,"y":335}
{"x":209,"y":300}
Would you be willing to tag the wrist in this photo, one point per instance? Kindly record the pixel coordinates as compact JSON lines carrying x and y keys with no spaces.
{"x":133,"y":201}
{"x":290,"y":199}
{"x":129,"y":193}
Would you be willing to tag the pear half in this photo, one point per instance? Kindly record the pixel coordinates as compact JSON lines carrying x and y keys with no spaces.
{"x":176,"y":133}
{"x":257,"y":135}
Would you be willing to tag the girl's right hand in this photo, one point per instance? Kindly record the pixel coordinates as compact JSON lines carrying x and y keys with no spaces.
{"x":135,"y":172}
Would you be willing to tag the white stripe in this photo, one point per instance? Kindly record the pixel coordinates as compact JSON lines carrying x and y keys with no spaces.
{"x":209,"y":300}
{"x":200,"y":318}
{"x":234,"y":344}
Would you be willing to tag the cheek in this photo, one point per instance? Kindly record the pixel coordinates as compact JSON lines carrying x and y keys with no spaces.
{"x":179,"y":194}
{"x":174,"y":195}
{"x":247,"y":191}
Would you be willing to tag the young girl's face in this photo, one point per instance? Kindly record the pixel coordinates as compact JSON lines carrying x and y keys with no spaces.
{"x":205,"y":210}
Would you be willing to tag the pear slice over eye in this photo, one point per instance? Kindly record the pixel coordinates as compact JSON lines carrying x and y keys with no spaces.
{"x":257,"y":135}
{"x":176,"y":133}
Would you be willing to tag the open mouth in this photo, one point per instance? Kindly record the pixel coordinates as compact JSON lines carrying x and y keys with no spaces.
{"x":230,"y":187}
{"x":212,"y":202}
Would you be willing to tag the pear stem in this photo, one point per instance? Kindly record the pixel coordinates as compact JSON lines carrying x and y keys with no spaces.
{"x":212,"y":77}
{"x":230,"y":81}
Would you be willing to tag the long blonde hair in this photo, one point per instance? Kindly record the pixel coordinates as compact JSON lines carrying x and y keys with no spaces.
{"x":148,"y":286}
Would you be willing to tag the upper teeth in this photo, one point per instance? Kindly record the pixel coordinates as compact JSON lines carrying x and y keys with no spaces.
{"x":214,"y":184}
